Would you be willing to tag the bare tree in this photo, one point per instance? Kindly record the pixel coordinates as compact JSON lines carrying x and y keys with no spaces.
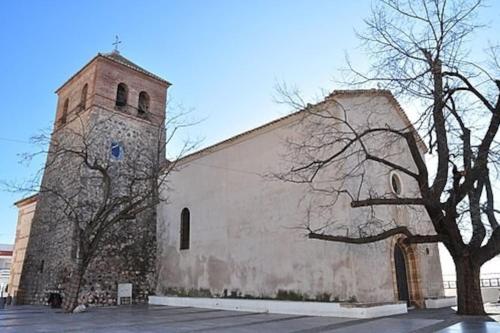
{"x":419,"y":52}
{"x":96,"y":189}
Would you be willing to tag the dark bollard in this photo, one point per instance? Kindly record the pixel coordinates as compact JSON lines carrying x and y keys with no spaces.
{"x":2,"y":302}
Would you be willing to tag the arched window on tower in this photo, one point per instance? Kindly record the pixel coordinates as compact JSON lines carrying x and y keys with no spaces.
{"x":185,"y":226}
{"x":64,"y":113}
{"x":121,"y":95}
{"x":83,"y":98}
{"x":143,"y":107}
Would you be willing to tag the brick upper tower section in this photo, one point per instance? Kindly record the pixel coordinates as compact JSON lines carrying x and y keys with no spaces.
{"x":142,"y":94}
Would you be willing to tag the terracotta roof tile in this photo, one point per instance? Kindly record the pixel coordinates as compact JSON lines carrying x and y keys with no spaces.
{"x":27,"y":200}
{"x":117,"y":57}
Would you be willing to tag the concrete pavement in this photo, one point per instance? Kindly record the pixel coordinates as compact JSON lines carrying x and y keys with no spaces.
{"x":144,"y":318}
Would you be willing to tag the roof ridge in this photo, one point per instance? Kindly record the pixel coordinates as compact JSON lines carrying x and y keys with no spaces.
{"x":392,"y":99}
{"x":374,"y":91}
{"x":28,"y":199}
{"x":331,"y":96}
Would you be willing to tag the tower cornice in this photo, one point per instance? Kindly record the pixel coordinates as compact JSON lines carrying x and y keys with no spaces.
{"x":117,"y":58}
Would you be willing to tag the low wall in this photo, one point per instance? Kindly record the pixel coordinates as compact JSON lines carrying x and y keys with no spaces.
{"x":327,"y":309}
{"x":490,"y":295}
{"x":443,"y":302}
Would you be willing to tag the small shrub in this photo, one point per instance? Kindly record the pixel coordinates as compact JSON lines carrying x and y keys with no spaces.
{"x":323,"y":297}
{"x":352,"y":299}
{"x":181,"y":292}
{"x":290,"y":295}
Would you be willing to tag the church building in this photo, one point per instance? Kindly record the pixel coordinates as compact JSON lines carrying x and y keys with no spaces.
{"x":227,"y":224}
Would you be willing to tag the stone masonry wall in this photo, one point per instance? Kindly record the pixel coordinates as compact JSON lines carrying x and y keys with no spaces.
{"x":129,"y":250}
{"x":128,"y":255}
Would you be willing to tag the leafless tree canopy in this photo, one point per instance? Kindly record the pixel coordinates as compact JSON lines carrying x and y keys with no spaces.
{"x":421,"y":51}
{"x":95,"y":187}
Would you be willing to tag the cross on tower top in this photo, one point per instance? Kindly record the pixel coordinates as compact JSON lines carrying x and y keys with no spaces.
{"x":116,"y":43}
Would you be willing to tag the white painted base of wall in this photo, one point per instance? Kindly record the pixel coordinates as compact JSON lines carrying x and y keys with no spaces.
{"x":345,"y":310}
{"x":444,"y":302}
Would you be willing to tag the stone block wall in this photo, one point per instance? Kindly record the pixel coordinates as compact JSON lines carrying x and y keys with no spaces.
{"x":87,"y":115}
{"x":128,"y":251}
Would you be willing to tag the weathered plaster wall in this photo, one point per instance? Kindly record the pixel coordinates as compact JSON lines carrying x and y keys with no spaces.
{"x":246,"y":235}
{"x":430,"y":266}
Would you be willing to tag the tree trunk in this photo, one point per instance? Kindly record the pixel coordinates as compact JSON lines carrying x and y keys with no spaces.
{"x":470,"y":300}
{"x":72,"y":289}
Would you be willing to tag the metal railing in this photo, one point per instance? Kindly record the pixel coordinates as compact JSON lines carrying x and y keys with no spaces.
{"x":485,"y":283}
{"x":4,"y":273}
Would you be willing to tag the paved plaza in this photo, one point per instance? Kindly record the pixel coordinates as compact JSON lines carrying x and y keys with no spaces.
{"x":144,"y":318}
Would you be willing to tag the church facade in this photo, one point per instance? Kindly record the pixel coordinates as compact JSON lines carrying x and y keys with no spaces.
{"x":228,"y":226}
{"x":247,"y":227}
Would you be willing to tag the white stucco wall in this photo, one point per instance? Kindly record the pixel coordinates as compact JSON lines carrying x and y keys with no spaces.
{"x":246,"y":229}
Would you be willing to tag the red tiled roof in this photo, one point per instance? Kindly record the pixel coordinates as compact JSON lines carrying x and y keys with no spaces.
{"x":118,"y":58}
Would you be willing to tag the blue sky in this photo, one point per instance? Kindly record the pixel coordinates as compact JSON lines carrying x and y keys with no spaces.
{"x":223,"y":58}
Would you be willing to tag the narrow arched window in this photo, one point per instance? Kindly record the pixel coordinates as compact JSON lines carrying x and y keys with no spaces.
{"x":185,"y":226}
{"x":83,"y":98}
{"x":121,"y":95}
{"x":143,"y":107}
{"x":64,"y":113}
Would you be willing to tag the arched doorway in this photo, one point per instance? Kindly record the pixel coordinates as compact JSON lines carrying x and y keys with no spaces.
{"x":401,"y":274}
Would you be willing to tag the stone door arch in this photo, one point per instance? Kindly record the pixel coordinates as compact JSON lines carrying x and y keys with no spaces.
{"x":411,"y":275}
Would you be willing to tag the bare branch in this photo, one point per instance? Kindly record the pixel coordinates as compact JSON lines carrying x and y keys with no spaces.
{"x":410,"y":238}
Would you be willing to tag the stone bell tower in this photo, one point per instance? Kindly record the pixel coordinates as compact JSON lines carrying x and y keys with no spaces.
{"x":113,"y":111}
